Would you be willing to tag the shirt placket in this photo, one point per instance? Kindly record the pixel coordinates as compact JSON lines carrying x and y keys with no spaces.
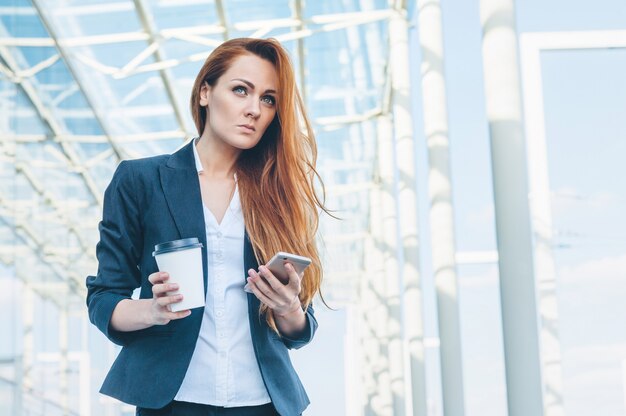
{"x":219,"y":297}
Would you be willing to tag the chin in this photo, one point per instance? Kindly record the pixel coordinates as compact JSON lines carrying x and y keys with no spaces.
{"x":245,"y":144}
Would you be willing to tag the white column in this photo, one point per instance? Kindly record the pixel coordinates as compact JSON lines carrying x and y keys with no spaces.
{"x":513,"y":228}
{"x":624,"y":381}
{"x":407,"y":205}
{"x":85,"y":368}
{"x":441,"y":214}
{"x":63,"y":360}
{"x":391,"y":376}
{"x":371,"y":292}
{"x":28,"y":340}
{"x":353,"y":359}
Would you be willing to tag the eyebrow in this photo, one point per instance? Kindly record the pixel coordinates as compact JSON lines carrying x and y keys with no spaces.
{"x":251,"y":85}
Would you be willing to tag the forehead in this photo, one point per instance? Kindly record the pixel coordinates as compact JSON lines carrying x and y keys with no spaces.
{"x":254,"y":69}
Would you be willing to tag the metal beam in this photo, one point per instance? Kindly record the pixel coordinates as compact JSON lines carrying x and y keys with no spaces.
{"x":597,"y":39}
{"x":476,"y":257}
{"x":32,"y":245}
{"x":49,"y":199}
{"x":119,"y":153}
{"x":329,"y":27}
{"x":96,"y":138}
{"x":145,"y":17}
{"x":328,"y":21}
{"x":219,"y":6}
{"x":297,"y":15}
{"x":49,"y":119}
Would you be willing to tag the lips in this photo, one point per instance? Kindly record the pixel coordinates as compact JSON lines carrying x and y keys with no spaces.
{"x":247,"y":127}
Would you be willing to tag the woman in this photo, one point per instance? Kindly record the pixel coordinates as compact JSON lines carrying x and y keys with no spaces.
{"x":245,"y":189}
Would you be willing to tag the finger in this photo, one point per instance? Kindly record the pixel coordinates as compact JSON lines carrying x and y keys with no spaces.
{"x":168,"y":300}
{"x":262,"y":280}
{"x":160,"y":289}
{"x":270,"y":278}
{"x":178,"y":315}
{"x":158,"y":277}
{"x":292,"y":273}
{"x":260,"y":295}
{"x":294,"y":278}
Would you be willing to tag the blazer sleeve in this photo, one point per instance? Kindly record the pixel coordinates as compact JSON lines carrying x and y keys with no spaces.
{"x":118,"y":253}
{"x":307,"y":335}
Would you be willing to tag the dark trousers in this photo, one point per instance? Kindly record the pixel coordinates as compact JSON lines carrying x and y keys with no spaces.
{"x":176,"y":408}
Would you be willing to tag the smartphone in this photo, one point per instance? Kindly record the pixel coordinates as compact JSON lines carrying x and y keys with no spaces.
{"x":277,"y":266}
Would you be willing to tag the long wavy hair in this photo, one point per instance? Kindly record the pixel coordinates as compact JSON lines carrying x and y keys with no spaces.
{"x":277,"y":177}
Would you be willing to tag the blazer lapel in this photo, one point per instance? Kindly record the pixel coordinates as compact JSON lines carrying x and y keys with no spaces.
{"x":249,"y":262}
{"x":181,"y":187}
{"x":182,"y":193}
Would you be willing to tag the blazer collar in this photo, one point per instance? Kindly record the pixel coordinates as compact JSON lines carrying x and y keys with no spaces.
{"x":183,"y":158}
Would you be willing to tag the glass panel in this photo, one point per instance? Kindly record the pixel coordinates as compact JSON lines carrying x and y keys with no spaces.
{"x":588,"y":201}
{"x":169,"y":14}
{"x":105,"y":97}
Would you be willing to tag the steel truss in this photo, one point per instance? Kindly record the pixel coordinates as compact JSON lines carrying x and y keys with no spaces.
{"x":64,"y":145}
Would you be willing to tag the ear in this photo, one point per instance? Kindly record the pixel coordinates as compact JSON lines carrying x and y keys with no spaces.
{"x":205,"y":89}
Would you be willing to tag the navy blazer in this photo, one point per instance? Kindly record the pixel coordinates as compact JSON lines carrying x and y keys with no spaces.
{"x":150,"y":201}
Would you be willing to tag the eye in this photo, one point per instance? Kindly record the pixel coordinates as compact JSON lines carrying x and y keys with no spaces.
{"x":240,"y":90}
{"x":268,"y":99}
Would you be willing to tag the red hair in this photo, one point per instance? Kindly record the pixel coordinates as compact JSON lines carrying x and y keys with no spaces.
{"x":276,"y":178}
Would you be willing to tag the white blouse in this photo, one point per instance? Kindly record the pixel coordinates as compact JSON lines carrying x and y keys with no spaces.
{"x":223,"y":369}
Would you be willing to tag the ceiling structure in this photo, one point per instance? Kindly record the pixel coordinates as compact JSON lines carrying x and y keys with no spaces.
{"x":85,"y":84}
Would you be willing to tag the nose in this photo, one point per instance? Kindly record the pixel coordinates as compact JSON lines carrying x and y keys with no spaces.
{"x":253,"y":109}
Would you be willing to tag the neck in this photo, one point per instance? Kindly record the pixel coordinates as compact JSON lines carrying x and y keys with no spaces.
{"x":218,"y":159}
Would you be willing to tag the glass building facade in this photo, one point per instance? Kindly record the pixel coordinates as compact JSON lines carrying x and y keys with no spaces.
{"x":86,"y":84}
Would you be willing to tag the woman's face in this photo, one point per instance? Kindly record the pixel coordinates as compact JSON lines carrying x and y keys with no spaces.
{"x":242,"y":103}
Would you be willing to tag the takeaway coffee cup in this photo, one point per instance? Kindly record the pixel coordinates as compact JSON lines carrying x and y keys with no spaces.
{"x":182,"y":259}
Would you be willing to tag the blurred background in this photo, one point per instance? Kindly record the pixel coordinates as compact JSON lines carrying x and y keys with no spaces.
{"x":474,"y":151}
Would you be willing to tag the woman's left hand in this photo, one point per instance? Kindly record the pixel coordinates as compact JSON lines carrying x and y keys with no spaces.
{"x":281,"y":298}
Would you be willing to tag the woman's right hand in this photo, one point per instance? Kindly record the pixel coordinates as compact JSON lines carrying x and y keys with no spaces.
{"x":160,"y":314}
